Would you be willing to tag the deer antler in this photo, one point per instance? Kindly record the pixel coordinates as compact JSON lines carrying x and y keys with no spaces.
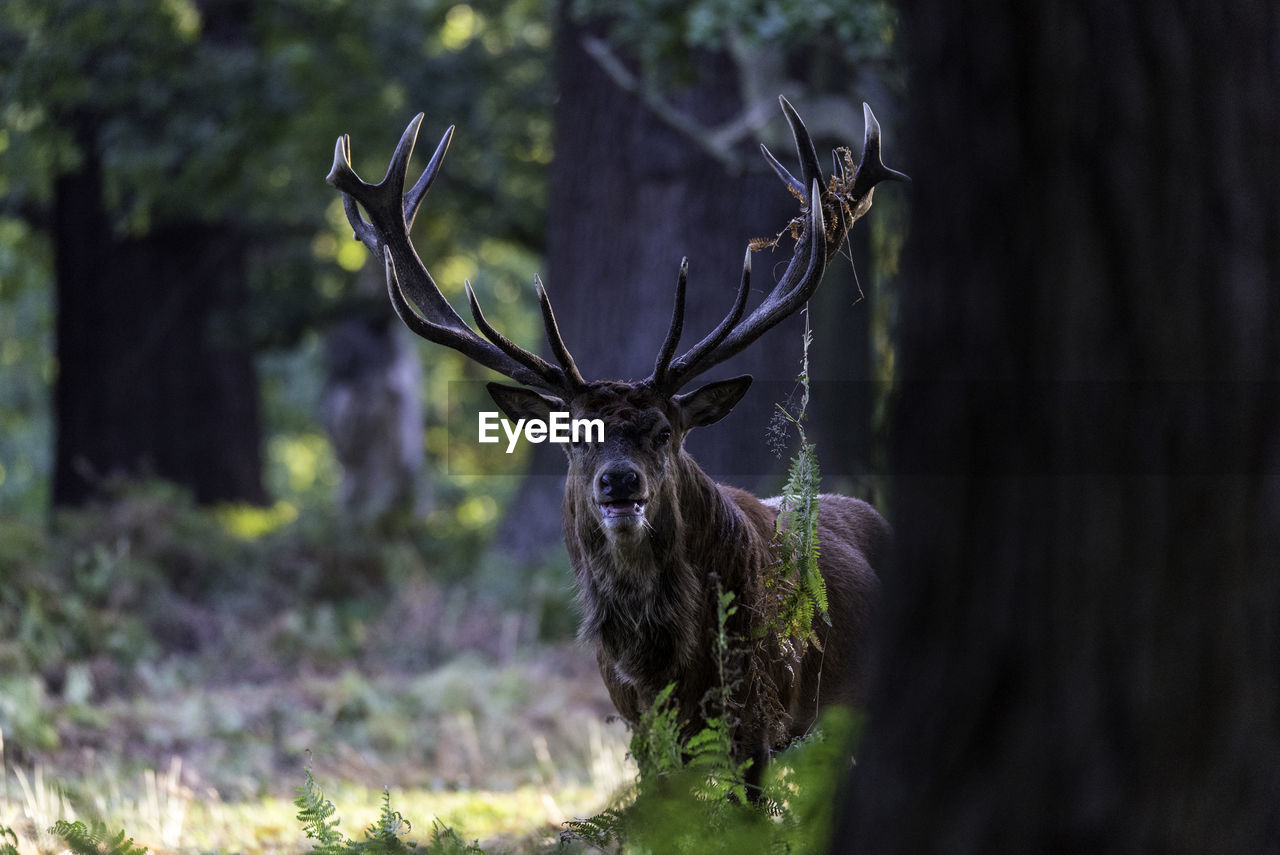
{"x":829,"y":213}
{"x":386,"y":233}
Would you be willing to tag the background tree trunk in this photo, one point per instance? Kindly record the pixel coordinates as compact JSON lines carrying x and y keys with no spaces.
{"x":1080,"y":649}
{"x":155,"y":378}
{"x":629,"y":198}
{"x":371,"y":409}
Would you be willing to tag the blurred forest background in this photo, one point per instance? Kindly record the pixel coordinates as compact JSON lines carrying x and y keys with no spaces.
{"x":241,"y":514}
{"x":1079,"y":637}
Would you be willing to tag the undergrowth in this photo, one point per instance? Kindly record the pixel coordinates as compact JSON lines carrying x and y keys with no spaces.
{"x":95,"y":840}
{"x":691,"y":796}
{"x":385,"y":836}
{"x":796,"y":586}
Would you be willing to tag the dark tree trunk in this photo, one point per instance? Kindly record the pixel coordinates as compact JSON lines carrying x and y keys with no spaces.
{"x":630,"y":197}
{"x":155,"y":378}
{"x":1080,"y":642}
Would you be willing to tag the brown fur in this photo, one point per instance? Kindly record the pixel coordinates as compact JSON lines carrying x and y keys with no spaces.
{"x":648,"y":596}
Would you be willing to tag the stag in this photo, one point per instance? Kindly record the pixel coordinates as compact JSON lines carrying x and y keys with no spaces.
{"x":651,"y":537}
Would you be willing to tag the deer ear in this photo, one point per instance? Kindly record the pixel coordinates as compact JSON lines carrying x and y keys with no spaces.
{"x":712,"y":402}
{"x":520,"y":403}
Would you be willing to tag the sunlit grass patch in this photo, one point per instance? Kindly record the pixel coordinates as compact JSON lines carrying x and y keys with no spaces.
{"x":165,"y":817}
{"x":497,"y":751}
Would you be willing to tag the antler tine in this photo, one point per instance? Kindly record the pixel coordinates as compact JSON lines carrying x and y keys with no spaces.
{"x":796,"y":185}
{"x":713,"y":339}
{"x":798,"y":283}
{"x":796,"y":286}
{"x":413,"y":199}
{"x":466,"y":342}
{"x":386,"y":233}
{"x":810,"y":171}
{"x":871,"y":170}
{"x":342,"y":175}
{"x":571,"y":374}
{"x":526,"y":358}
{"x":672,"y":340}
{"x":830,"y":209}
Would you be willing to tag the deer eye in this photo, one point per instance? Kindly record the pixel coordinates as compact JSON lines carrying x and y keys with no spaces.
{"x":662,"y":438}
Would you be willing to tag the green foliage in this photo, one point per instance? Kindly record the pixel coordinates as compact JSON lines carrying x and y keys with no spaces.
{"x":26,"y":367}
{"x":690,"y":795}
{"x":8,"y":841}
{"x":796,"y":586}
{"x":202,"y":110}
{"x":678,"y":812}
{"x":447,"y":841}
{"x":227,"y":113}
{"x":318,"y":817}
{"x":387,"y":833}
{"x":386,"y":836}
{"x":656,"y":744}
{"x":661,"y":32}
{"x":83,"y":840}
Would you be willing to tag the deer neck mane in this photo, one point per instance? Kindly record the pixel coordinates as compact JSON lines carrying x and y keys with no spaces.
{"x":643,"y":599}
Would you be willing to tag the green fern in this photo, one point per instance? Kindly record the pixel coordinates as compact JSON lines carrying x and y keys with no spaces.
{"x":386,"y":836}
{"x":318,"y":817}
{"x":680,"y":779}
{"x":710,"y":750}
{"x":83,"y":840}
{"x":799,"y":591}
{"x":655,"y":742}
{"x":446,"y":841}
{"x":8,"y":841}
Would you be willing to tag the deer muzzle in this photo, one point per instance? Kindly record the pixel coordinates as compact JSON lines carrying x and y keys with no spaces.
{"x":620,"y":497}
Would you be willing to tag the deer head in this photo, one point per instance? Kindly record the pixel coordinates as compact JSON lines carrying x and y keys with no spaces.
{"x":623,"y":483}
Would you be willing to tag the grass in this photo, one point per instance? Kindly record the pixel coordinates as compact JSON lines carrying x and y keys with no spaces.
{"x":504,"y":753}
{"x":160,"y":674}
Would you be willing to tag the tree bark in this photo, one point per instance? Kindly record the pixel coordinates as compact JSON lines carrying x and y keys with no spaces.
{"x":1079,"y":645}
{"x":154,"y":376}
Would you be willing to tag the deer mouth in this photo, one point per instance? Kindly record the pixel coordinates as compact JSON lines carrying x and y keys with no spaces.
{"x":622,"y":510}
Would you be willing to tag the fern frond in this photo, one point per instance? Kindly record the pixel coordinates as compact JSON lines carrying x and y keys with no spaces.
{"x":386,"y":836}
{"x":601,"y":831}
{"x":446,"y":841}
{"x":656,"y":744}
{"x":799,"y":591}
{"x":83,"y":840}
{"x":318,"y":817}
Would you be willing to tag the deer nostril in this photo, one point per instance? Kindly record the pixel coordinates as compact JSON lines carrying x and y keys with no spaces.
{"x":620,"y":482}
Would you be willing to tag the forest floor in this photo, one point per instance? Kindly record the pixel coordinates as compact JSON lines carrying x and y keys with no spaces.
{"x":159,"y":677}
{"x":500,"y":751}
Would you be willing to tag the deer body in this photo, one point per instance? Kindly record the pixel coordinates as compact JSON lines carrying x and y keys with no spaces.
{"x":650,"y":633}
{"x":652,"y":538}
{"x":653,"y":541}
